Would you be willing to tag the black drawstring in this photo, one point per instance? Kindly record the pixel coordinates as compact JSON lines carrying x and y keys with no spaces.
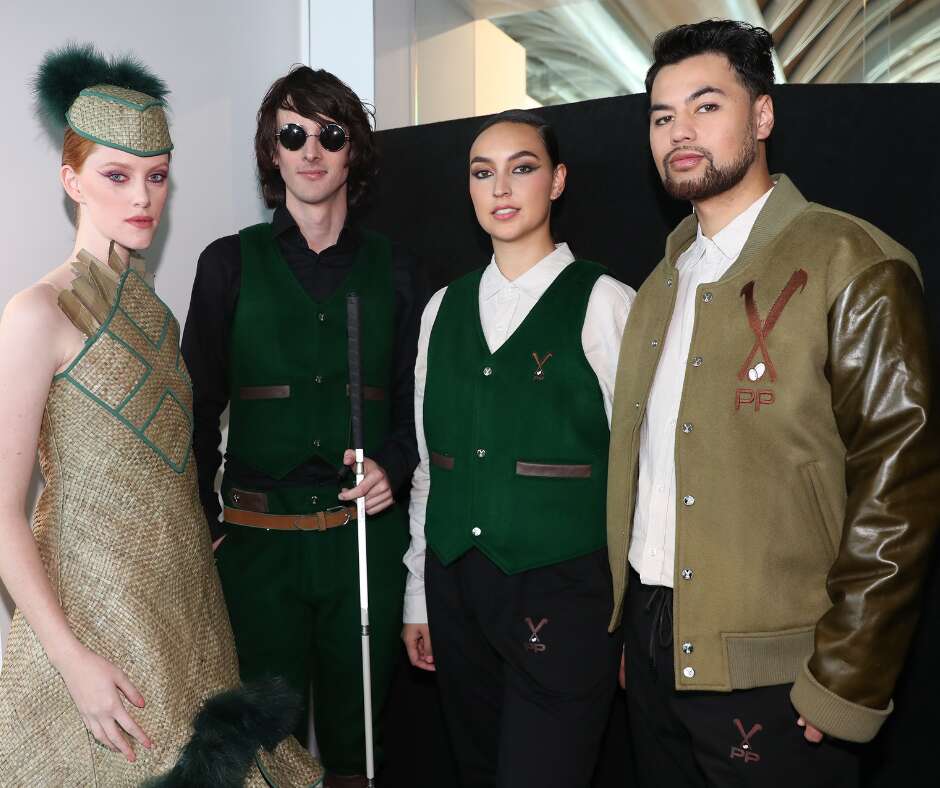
{"x":661,"y":628}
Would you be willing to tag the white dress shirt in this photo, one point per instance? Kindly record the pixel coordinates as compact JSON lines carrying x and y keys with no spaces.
{"x":504,"y":304}
{"x":653,"y":540}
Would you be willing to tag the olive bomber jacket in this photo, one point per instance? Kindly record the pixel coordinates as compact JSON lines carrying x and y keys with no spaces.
{"x":807,"y":483}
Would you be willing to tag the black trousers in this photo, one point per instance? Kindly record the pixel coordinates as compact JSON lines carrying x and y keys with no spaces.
{"x":696,"y":739}
{"x":526,"y":668}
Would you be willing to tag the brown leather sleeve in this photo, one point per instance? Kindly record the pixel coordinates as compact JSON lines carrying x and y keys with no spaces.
{"x":880,"y":372}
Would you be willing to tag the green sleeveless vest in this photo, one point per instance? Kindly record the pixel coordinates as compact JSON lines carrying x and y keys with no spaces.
{"x":289,"y":401}
{"x":518,"y":438}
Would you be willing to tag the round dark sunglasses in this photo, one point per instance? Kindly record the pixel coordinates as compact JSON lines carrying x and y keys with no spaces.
{"x":332,"y":136}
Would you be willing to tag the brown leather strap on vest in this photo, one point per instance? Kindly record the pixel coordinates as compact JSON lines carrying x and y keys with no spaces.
{"x":318,"y":521}
{"x":553,"y":470}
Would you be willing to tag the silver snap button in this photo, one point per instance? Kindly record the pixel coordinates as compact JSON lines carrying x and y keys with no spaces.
{"x":687,"y":648}
{"x":321,"y":317}
{"x":707,"y":297}
{"x":476,"y":531}
{"x":314,"y":500}
{"x":669,"y":283}
{"x":636,"y":404}
{"x":688,"y":500}
{"x":654,"y":343}
{"x":697,"y":361}
{"x":487,"y":371}
{"x":689,"y":673}
{"x":318,"y":379}
{"x":687,"y":427}
{"x":316,"y":443}
{"x":236,"y":497}
{"x":687,"y":574}
{"x":481,"y":453}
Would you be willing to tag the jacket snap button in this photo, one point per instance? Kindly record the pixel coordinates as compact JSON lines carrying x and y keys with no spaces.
{"x":697,"y":361}
{"x":687,"y":574}
{"x":318,"y":379}
{"x":321,"y":317}
{"x":707,"y":297}
{"x":476,"y":531}
{"x":687,"y":648}
{"x":687,"y":427}
{"x":668,"y":283}
{"x":316,"y":443}
{"x":689,"y":673}
{"x":314,"y":500}
{"x":487,"y":371}
{"x":481,"y":453}
{"x":654,"y":343}
{"x":688,"y":500}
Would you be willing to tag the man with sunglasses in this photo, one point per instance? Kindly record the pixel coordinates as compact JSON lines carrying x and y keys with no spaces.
{"x":266,"y":336}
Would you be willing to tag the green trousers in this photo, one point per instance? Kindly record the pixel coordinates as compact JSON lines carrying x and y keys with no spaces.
{"x":293,"y":598}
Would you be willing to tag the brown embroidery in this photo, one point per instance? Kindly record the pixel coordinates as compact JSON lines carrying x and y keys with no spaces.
{"x":762,"y":330}
{"x":539,"y":364}
{"x":743,"y":750}
{"x":534,"y":643}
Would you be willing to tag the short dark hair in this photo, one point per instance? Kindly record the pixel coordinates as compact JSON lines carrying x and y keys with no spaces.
{"x":545,"y":129}
{"x":749,"y":50}
{"x":316,"y":95}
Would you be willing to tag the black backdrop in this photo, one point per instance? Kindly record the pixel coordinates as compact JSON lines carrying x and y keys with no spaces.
{"x":869,"y":150}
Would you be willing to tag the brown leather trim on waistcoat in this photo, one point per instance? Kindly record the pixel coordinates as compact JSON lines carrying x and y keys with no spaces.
{"x":252,"y":501}
{"x":372,"y":393}
{"x":264,"y":392}
{"x":442,"y":461}
{"x":553,"y":470}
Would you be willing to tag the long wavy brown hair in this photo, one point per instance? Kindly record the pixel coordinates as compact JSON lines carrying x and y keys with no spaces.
{"x":316,"y":95}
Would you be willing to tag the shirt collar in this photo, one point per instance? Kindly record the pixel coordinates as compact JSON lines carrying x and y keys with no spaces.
{"x":730,"y":239}
{"x":284,"y":224}
{"x":533,"y":282}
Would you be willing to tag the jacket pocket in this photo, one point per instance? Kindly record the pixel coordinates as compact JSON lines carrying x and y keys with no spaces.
{"x":823,"y":519}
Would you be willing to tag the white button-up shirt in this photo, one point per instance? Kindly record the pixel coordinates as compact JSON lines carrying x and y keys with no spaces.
{"x":653,"y":540}
{"x":504,"y":304}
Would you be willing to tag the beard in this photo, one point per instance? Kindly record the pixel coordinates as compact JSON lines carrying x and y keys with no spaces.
{"x":715,"y":180}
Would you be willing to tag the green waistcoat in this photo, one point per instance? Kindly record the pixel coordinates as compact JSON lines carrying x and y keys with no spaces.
{"x":518,"y":438}
{"x":288,"y":366}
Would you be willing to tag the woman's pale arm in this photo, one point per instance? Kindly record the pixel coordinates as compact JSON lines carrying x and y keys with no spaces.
{"x":35,"y":340}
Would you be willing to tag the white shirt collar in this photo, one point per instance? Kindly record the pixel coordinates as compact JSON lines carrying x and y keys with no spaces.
{"x":730,"y":239}
{"x":533,"y":282}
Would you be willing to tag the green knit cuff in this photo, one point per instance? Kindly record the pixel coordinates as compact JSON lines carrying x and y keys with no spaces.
{"x":833,"y":715}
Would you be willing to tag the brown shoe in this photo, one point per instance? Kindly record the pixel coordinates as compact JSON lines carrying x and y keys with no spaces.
{"x":345,"y":781}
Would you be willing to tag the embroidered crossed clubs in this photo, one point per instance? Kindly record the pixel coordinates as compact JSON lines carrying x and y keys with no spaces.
{"x":761,"y":331}
{"x":539,"y":364}
{"x":746,"y":737}
{"x":535,"y":643}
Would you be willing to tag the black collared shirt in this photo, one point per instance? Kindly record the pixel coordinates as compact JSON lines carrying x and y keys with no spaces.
{"x":206,"y":351}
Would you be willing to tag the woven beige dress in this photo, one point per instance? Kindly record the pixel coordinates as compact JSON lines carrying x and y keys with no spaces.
{"x":124,"y":539}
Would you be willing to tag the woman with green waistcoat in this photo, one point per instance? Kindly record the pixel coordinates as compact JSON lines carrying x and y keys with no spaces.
{"x":120,"y":646}
{"x":508,"y":573}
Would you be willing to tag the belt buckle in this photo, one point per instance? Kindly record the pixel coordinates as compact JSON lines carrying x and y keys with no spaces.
{"x":335,"y":509}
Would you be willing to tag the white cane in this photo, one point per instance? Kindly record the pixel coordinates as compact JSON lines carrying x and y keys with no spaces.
{"x":355,"y":406}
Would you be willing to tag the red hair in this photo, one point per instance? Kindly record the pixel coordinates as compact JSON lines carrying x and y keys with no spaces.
{"x":75,"y":149}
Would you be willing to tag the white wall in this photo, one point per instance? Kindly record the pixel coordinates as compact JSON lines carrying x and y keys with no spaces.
{"x":218,"y":57}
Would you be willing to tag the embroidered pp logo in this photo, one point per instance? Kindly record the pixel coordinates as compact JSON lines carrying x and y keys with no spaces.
{"x":539,"y":373}
{"x":743,"y":751}
{"x":534,"y":642}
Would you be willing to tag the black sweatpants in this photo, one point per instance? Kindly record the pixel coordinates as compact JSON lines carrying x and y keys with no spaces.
{"x":696,"y":739}
{"x":525,"y":666}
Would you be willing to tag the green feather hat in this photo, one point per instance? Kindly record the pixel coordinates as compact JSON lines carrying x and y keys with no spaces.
{"x":118,"y":103}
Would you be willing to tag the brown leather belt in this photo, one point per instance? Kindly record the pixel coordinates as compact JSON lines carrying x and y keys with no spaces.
{"x":318,"y":521}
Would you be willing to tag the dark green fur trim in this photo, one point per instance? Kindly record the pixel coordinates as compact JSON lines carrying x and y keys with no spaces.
{"x":227,"y":733}
{"x":65,"y":72}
